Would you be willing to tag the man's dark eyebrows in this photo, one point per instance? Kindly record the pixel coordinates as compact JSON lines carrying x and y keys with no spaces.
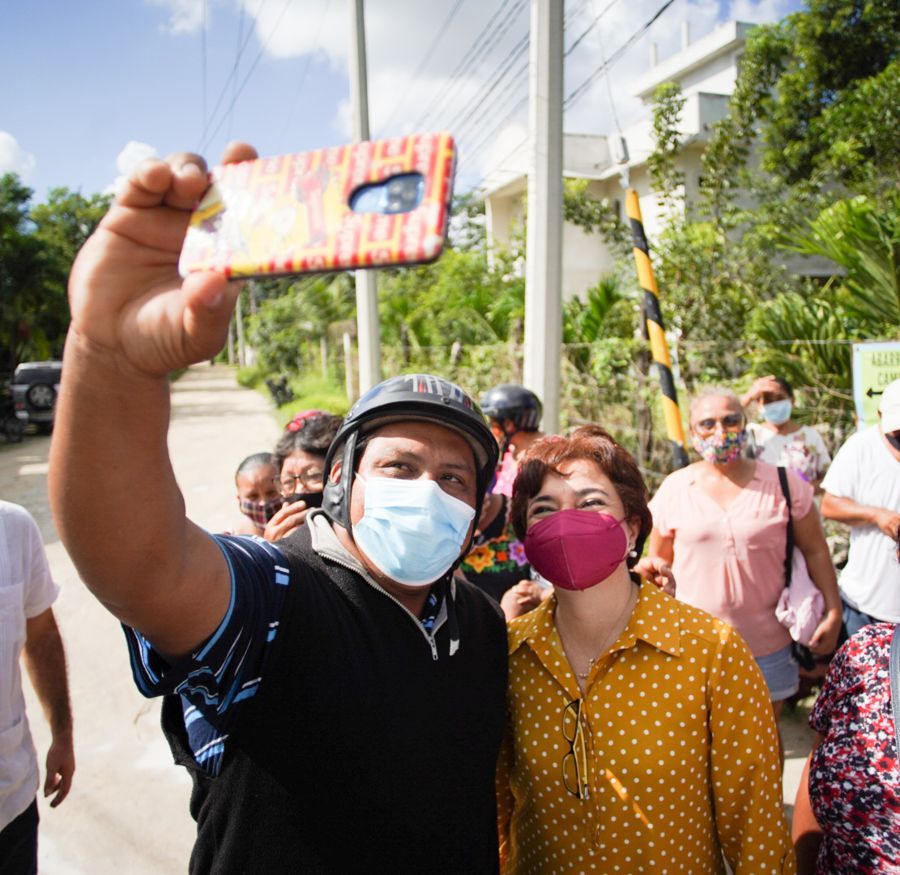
{"x":460,"y":466}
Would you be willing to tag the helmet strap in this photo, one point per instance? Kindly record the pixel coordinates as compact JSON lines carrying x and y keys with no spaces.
{"x":336,"y":497}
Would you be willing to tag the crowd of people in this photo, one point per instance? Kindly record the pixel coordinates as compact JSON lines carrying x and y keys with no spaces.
{"x":452,"y":643}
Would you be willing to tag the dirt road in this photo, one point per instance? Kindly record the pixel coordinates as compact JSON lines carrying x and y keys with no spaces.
{"x":128,"y":809}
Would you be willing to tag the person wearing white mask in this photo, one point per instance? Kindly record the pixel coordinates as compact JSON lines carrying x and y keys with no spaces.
{"x":337,"y":696}
{"x":779,"y":440}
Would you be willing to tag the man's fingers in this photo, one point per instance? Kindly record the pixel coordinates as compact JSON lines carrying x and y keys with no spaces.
{"x":238,"y":151}
{"x":146,"y":185}
{"x":189,"y":181}
{"x":208,"y":302}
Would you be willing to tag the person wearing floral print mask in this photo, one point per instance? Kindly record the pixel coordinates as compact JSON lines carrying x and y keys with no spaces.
{"x":722,"y":523}
{"x":258,"y":495}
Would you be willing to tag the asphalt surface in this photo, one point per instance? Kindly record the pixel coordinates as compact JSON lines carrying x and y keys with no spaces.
{"x":128,"y":809}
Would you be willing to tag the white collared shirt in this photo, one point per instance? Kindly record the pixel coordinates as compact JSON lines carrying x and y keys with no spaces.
{"x":26,"y":590}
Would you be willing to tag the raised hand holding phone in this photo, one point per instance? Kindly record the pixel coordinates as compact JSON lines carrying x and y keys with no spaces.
{"x":126,"y":295}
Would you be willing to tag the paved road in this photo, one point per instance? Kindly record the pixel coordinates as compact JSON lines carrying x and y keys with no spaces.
{"x":128,"y":809}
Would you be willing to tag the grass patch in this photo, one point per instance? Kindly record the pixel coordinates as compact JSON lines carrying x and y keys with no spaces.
{"x":250,"y":378}
{"x":315,"y":392}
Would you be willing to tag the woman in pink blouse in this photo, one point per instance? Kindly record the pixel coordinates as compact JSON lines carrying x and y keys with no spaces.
{"x":722,"y":524}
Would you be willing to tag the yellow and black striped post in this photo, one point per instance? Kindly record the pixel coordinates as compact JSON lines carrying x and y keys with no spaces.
{"x":658,"y":346}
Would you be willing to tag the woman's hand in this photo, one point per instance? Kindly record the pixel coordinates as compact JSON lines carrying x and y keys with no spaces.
{"x":658,"y":571}
{"x":290,"y":517}
{"x":825,"y":638}
{"x":521,"y":598}
{"x":761,"y":386}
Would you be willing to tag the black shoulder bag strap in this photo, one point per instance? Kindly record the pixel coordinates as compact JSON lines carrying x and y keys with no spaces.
{"x":895,"y":685}
{"x":789,"y":549}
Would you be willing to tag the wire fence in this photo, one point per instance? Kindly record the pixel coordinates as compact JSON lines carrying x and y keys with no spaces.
{"x":614,"y":383}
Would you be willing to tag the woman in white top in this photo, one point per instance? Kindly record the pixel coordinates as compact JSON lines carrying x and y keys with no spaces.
{"x":779,"y":440}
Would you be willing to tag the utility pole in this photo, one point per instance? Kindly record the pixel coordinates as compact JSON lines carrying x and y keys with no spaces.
{"x":543,"y":277}
{"x":367,"y":328}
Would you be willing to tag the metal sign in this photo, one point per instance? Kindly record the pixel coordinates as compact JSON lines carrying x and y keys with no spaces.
{"x":875,"y":366}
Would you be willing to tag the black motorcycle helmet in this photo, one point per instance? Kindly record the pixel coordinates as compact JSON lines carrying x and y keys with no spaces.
{"x":399,"y":399}
{"x":514,"y":404}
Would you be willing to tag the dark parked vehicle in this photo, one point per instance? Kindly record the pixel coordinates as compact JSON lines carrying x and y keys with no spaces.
{"x":35,"y":386}
{"x":10,"y":426}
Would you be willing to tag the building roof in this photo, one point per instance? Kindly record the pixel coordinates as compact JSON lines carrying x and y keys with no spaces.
{"x":724,"y":39}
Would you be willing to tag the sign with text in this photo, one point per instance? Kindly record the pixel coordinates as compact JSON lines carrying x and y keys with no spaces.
{"x":875,"y":366}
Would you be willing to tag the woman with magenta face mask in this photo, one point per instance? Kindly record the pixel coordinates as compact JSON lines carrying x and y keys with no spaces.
{"x":639,"y":739}
{"x":722,"y":523}
{"x":778,"y":439}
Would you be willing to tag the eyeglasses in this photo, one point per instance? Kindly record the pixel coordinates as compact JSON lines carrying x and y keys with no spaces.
{"x":305,"y":478}
{"x":731,"y":421}
{"x":574,"y":763}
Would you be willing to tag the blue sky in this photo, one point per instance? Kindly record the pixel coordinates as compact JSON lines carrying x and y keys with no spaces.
{"x":83,"y":80}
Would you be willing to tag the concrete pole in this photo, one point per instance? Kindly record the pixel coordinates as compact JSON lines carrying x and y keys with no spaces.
{"x":367,"y":328}
{"x":543,"y":277}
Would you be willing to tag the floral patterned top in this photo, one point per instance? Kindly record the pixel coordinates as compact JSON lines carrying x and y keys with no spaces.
{"x":497,"y":560}
{"x":854,"y":776}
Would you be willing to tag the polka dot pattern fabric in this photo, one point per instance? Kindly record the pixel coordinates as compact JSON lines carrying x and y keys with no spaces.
{"x":682,"y":752}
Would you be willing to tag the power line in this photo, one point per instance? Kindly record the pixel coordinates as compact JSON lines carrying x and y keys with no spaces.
{"x":238,"y":51}
{"x":253,"y":66}
{"x":608,"y":78}
{"x":503,"y":100}
{"x":469,"y":111}
{"x":466,"y":116}
{"x":203,"y":64}
{"x":306,"y":67}
{"x":231,"y":78}
{"x":489,"y":37}
{"x":425,"y":59}
{"x":587,"y":83}
{"x":576,"y":93}
{"x":589,"y":28}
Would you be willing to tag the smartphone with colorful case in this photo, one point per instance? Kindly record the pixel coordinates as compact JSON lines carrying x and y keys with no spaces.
{"x":372,"y":204}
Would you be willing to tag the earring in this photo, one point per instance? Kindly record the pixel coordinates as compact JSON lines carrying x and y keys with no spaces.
{"x":632,"y":553}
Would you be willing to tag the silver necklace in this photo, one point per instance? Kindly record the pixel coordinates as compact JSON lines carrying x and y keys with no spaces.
{"x":606,"y":641}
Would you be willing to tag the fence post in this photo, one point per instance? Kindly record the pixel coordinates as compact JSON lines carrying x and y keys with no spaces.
{"x":348,"y":366}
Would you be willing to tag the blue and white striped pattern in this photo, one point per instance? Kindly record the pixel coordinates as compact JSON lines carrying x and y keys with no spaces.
{"x":226,"y":670}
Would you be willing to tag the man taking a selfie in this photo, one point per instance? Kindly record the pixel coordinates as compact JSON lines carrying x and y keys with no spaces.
{"x":338,"y":697}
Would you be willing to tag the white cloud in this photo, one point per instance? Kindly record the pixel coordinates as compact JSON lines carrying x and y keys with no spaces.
{"x":14,"y":159}
{"x":292,"y":28}
{"x":133,"y":152}
{"x":759,"y":11}
{"x":431,"y":71}
{"x":185,"y":16}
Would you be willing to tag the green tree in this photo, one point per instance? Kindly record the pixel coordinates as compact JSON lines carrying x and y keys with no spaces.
{"x":24,"y":266}
{"x":666,"y":179}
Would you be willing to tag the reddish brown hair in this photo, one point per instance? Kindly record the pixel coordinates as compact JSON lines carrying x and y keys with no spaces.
{"x":595,"y":444}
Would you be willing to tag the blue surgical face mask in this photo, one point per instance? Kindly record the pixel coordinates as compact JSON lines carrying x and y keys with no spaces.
{"x":411,"y":530}
{"x":777,"y":412}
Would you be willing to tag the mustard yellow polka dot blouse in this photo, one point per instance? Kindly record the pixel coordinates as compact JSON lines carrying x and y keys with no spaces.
{"x":666,"y":764}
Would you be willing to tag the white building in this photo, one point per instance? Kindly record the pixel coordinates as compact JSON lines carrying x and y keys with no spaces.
{"x":706,"y":70}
